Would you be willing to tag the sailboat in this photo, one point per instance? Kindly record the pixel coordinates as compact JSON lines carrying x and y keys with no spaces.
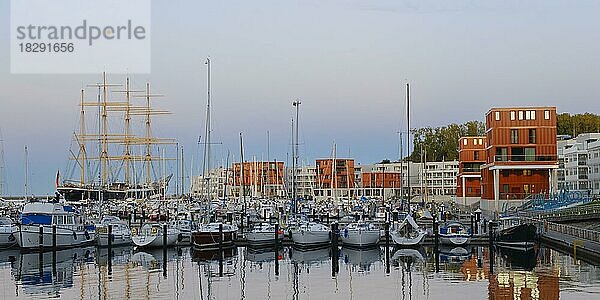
{"x":151,"y":235}
{"x":114,"y":148}
{"x":263,"y":234}
{"x":120,"y":232}
{"x":360,"y":234}
{"x":408,"y":233}
{"x":7,"y":237}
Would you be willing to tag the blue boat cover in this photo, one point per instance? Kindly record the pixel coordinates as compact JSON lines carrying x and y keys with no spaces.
{"x":38,"y":219}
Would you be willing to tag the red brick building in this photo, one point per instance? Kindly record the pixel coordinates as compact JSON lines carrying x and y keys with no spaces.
{"x":340,"y":177}
{"x":521,"y":155}
{"x":264,"y":177}
{"x":471,"y":156}
{"x":378,"y":179}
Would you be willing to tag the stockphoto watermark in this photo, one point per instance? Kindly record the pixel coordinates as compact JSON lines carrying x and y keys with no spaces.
{"x":80,"y":36}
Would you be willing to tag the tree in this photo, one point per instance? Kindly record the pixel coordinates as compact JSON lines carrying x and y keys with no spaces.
{"x":441,"y":143}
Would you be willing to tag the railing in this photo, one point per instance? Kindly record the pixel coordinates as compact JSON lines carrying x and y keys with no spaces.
{"x":545,"y":226}
{"x":526,"y":158}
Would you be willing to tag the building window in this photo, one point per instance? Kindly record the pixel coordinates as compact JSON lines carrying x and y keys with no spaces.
{"x":497,"y":116}
{"x":526,"y":172}
{"x":530,"y":154}
{"x":533,"y":114}
{"x":520,"y":115}
{"x":476,"y":155}
{"x":532,"y":138}
{"x":514,"y":136}
{"x":547,"y":115}
{"x":501,"y":154}
{"x":512,"y":115}
{"x":465,"y":142}
{"x":480,"y":141}
{"x":528,"y":115}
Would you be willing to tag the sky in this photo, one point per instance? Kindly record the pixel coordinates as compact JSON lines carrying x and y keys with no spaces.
{"x":347,"y":61}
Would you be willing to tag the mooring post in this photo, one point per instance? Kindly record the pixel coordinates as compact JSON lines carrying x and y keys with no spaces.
{"x":54,"y":236}
{"x":164,"y":237}
{"x":110,"y":241}
{"x":387,"y":247}
{"x":334,"y":248}
{"x":41,"y":237}
{"x":220,"y":238}
{"x":142,"y":218}
{"x":276,"y":235}
{"x":276,"y":248}
{"x":436,"y":250}
{"x":472,"y":224}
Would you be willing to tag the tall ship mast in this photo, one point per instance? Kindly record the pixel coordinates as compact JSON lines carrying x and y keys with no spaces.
{"x":115,"y":159}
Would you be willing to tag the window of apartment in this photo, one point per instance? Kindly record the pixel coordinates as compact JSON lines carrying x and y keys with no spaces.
{"x":512,"y":115}
{"x":546,"y":115}
{"x":520,"y":115}
{"x":528,"y":115}
{"x":501,"y":154}
{"x":532,"y":138}
{"x":533,"y":114}
{"x":497,"y":116}
{"x":505,"y":188}
{"x":526,"y":172}
{"x":514,"y":136}
{"x":480,"y":141}
{"x":517,"y":154}
{"x":530,"y":154}
{"x":470,"y":190}
{"x":476,"y":155}
{"x":465,"y":141}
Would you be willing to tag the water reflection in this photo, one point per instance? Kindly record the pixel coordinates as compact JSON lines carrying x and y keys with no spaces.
{"x":267,"y":273}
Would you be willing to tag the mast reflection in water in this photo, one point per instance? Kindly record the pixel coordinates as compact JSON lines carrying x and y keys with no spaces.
{"x":288,"y":273}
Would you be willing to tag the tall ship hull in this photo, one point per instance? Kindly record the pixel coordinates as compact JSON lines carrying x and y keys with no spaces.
{"x":520,"y":237}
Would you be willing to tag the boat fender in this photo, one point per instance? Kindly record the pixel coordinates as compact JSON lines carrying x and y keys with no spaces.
{"x":345,"y":232}
{"x":154,"y":230}
{"x":133,"y":231}
{"x":87,"y":235}
{"x":74,"y":235}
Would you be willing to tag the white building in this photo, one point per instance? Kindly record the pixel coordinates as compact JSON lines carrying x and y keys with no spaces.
{"x":214,"y":181}
{"x":577,"y":162}
{"x":594,"y":167}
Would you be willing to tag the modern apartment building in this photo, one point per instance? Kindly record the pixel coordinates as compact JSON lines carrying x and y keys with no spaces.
{"x":213,"y":183}
{"x":260,"y":178}
{"x":334,"y":178}
{"x":521,"y":155}
{"x":578,"y":163}
{"x":471,"y":156}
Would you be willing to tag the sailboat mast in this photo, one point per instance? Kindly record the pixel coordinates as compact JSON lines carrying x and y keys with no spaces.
{"x":408,"y":141}
{"x":206,"y":161}
{"x":242,"y":181}
{"x":104,"y":130}
{"x":127,"y":131}
{"x":297,"y":105}
{"x":26,"y":173}
{"x":82,"y":142}
{"x":148,"y":155}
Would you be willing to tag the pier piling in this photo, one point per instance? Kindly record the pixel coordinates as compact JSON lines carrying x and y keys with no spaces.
{"x":164,"y":237}
{"x":387,"y":247}
{"x":110,"y":241}
{"x":220,"y":238}
{"x":54,"y":236}
{"x":41,"y":237}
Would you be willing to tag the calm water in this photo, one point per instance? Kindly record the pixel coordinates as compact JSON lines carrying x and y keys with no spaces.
{"x":462,"y":273}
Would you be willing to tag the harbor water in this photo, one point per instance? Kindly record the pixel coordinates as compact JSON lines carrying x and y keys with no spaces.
{"x":471,"y":272}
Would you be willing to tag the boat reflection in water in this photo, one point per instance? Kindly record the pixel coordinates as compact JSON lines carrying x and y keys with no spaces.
{"x":412,"y":255}
{"x":49,"y":272}
{"x":454,"y":255}
{"x":361,"y":258}
{"x":312,"y":256}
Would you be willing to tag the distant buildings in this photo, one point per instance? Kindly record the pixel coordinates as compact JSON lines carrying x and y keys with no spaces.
{"x":471,"y":156}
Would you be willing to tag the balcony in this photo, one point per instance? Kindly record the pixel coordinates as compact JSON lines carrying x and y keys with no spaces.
{"x":525,"y":158}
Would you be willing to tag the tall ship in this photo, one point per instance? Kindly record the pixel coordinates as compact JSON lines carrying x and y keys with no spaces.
{"x":114,"y":155}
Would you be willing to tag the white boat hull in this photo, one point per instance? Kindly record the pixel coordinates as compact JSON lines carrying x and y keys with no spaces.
{"x":404,"y":241}
{"x":456,"y":240}
{"x":119,"y":239}
{"x":28,"y":237}
{"x":305,"y":238}
{"x":360,"y":238}
{"x":262,"y":238}
{"x":7,"y":238}
{"x":154,"y":241}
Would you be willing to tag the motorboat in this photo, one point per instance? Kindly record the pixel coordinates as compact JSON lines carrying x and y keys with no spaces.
{"x":408,"y":233}
{"x":7,"y":238}
{"x":214,"y":235}
{"x":512,"y":234}
{"x":185,"y":231}
{"x":310,"y":234}
{"x":360,"y":234}
{"x":35,"y":227}
{"x":263,"y":234}
{"x":454,"y":233}
{"x":151,"y":235}
{"x":120,"y":232}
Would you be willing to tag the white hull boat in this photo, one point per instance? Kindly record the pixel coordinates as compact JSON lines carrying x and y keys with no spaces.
{"x":455,"y":234}
{"x":7,"y":238}
{"x":263,"y":235}
{"x":35,"y":228}
{"x":360,"y":235}
{"x":151,"y":236}
{"x":310,"y":234}
{"x":121,"y":234}
{"x":408,"y":233}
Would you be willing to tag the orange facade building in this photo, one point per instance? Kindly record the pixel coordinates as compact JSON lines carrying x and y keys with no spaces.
{"x":340,"y":177}
{"x":520,"y":155}
{"x":380,"y":179}
{"x":471,"y":156}
{"x":266,"y":177}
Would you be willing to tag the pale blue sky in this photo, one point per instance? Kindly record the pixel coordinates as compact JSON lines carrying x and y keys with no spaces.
{"x":347,"y":61}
